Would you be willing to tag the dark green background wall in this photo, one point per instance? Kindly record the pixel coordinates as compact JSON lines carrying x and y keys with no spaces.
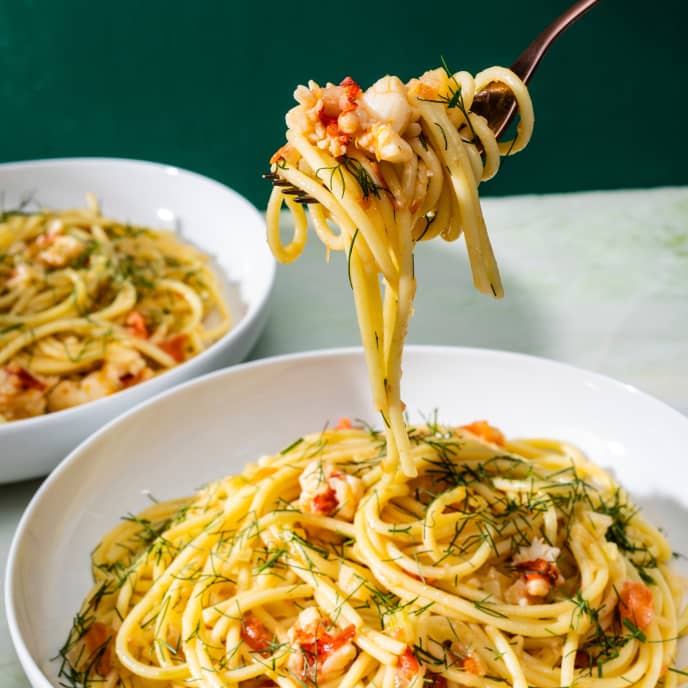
{"x":204,"y":84}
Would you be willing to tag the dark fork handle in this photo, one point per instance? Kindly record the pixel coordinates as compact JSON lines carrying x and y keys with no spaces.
{"x":527,"y":62}
{"x":496,"y":102}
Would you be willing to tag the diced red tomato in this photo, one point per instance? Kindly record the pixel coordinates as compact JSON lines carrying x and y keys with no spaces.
{"x":175,"y":347}
{"x":324,"y":643}
{"x":329,"y":643}
{"x":254,"y":633}
{"x":485,"y":431}
{"x":539,"y":567}
{"x":25,"y":379}
{"x":136,"y":324}
{"x":470,"y":664}
{"x":332,"y":128}
{"x":353,"y":90}
{"x":434,"y":681}
{"x":326,"y":502}
{"x":409,"y":665}
{"x":346,"y":424}
{"x":97,"y":640}
{"x":636,"y":603}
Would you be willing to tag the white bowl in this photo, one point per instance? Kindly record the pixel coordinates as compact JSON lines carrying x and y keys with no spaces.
{"x":210,"y":427}
{"x":208,"y":214}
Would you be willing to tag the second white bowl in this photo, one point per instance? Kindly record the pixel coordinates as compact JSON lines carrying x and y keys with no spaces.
{"x":206,"y":213}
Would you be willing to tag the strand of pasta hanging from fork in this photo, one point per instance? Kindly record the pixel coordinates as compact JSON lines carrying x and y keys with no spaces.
{"x":391,"y":166}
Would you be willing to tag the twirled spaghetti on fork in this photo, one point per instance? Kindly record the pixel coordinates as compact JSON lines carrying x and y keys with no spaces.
{"x":392,"y":166}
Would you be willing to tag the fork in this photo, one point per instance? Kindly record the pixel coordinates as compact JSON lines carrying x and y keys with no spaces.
{"x":495,"y":102}
{"x":289,"y":188}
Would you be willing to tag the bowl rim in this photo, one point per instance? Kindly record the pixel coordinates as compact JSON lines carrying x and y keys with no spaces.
{"x":29,"y":663}
{"x":234,"y":332}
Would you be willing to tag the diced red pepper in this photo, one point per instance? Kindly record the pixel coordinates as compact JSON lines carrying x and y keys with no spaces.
{"x":636,"y":604}
{"x":326,"y":502}
{"x":325,"y":643}
{"x":254,"y":633}
{"x":409,"y":665}
{"x":539,"y":567}
{"x":485,"y":431}
{"x":136,"y":324}
{"x":175,"y":347}
{"x":470,"y":664}
{"x":25,"y":379}
{"x":353,"y":90}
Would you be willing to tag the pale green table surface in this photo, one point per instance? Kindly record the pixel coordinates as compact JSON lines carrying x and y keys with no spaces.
{"x":599,"y":280}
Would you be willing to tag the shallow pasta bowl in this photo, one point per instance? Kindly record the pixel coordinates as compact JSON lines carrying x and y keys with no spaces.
{"x":211,"y":427}
{"x":206,"y":214}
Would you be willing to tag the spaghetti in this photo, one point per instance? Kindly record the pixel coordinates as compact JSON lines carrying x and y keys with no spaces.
{"x":392,"y":166}
{"x":501,"y":562}
{"x":430,"y":556}
{"x":90,"y":306}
